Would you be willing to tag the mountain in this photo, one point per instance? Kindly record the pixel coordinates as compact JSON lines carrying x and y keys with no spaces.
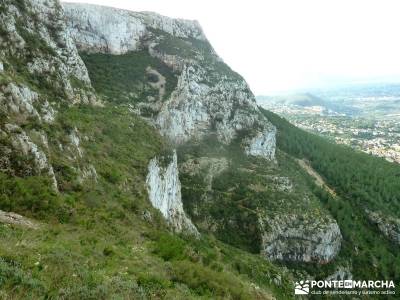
{"x":378,"y":100}
{"x":136,"y":164}
{"x":301,"y":99}
{"x":303,"y":102}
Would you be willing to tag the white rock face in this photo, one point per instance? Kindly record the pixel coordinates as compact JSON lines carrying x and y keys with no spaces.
{"x":75,"y":141}
{"x":68,"y":54}
{"x":196,"y":108}
{"x":104,"y":29}
{"x":48,"y":112}
{"x":177,"y":27}
{"x":110,"y":30}
{"x":210,"y":166}
{"x":164,"y":190}
{"x":289,"y":239}
{"x":22,"y":143}
{"x":36,"y":38}
{"x":57,"y":56}
{"x":19,"y":100}
{"x":184,"y":115}
{"x":263,"y":145}
{"x":341,"y":273}
{"x":36,"y":45}
{"x":209,"y":97}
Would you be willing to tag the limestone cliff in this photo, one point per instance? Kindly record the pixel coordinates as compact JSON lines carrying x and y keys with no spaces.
{"x":106,"y":29}
{"x":294,"y":238}
{"x":35,"y":38}
{"x":209,"y":96}
{"x":263,"y":144}
{"x":164,"y":190}
{"x":255,"y":204}
{"x":207,"y":99}
{"x":40,"y":71}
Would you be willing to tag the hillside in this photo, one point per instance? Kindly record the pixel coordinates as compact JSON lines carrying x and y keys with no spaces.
{"x":135,"y":164}
{"x":366,"y":206}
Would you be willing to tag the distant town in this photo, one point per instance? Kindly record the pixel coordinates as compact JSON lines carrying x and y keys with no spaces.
{"x":365,"y":119}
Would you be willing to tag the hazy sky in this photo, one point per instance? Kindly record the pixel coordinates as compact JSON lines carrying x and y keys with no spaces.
{"x":291,"y":44}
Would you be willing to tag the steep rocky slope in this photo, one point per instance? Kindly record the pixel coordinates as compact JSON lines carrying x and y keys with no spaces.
{"x":164,"y":190}
{"x":207,"y":99}
{"x":361,"y":192}
{"x":388,"y":225}
{"x":254,"y":204}
{"x":76,"y":162}
{"x":41,"y":71}
{"x":150,"y":169}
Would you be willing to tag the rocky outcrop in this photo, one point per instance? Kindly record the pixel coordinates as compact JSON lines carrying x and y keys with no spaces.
{"x":19,"y":101}
{"x":35,"y":34}
{"x":389,"y":226}
{"x":209,"y":96}
{"x":341,"y":273}
{"x":196,"y":108}
{"x":292,"y":238}
{"x":16,"y":219}
{"x":263,"y":145}
{"x":75,"y":142}
{"x":206,"y":167}
{"x":104,"y":29}
{"x":41,"y":70}
{"x":22,"y":143}
{"x":281,"y":183}
{"x":110,"y":30}
{"x":164,"y":190}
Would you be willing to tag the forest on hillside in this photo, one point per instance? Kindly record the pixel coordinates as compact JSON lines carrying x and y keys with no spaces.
{"x":361,"y":182}
{"x":371,"y":182}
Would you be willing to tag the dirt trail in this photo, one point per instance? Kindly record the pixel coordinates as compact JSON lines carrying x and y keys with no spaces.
{"x":319,"y":181}
{"x":160,"y":84}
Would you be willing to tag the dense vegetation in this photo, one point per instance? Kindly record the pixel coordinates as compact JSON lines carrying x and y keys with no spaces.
{"x":361,"y":181}
{"x":369,"y":181}
{"x":230,"y":201}
{"x":99,"y":236}
{"x":102,"y":240}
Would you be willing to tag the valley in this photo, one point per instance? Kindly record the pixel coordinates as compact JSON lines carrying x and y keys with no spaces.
{"x":365,"y":118}
{"x":136,"y":164}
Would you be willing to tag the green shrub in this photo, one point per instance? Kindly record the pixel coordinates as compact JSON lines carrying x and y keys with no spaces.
{"x":170,"y":247}
{"x":112,"y":175}
{"x":153,"y":281}
{"x":32,"y":195}
{"x":209,"y":283}
{"x":108,"y":251}
{"x":12,"y":274}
